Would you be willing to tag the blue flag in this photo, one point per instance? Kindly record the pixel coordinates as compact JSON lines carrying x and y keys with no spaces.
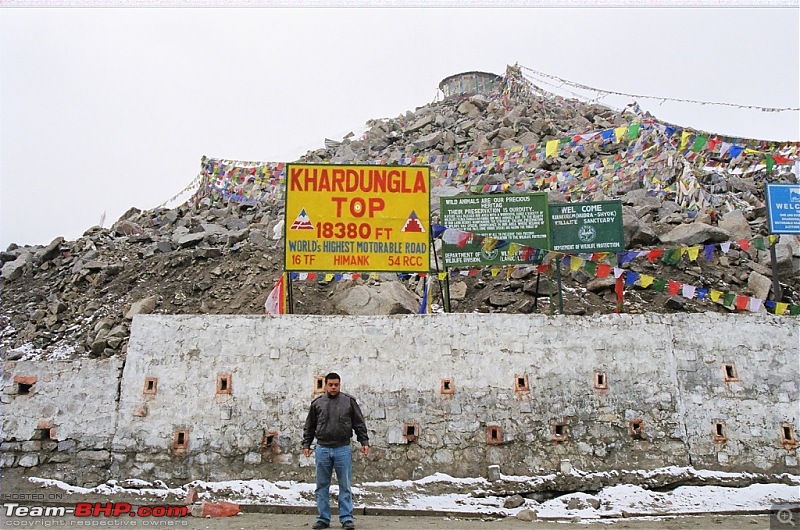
{"x":423,"y":308}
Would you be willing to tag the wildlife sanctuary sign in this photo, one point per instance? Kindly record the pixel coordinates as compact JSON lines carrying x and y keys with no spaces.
{"x":583,"y":227}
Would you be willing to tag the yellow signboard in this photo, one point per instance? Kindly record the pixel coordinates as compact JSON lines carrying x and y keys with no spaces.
{"x":357,"y":218}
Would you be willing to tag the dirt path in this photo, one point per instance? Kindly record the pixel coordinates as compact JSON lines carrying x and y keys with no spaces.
{"x":252,"y":521}
{"x":302,"y":517}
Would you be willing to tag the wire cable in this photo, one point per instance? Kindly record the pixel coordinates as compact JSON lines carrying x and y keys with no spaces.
{"x":660,"y":98}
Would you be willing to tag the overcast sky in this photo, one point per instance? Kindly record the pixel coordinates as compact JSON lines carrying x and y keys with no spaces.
{"x":104,"y":109}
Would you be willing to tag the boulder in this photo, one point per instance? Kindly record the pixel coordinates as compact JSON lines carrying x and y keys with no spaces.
{"x":420,"y":123}
{"x":695,"y":234}
{"x":788,"y":265}
{"x":189,"y":240}
{"x":468,"y":108}
{"x":514,"y":501}
{"x":388,"y":298}
{"x":213,"y":228}
{"x":759,"y":285}
{"x":14,"y":269}
{"x":428,"y":141}
{"x":50,"y":251}
{"x":458,"y":291}
{"x":736,"y":224}
{"x":142,"y":307}
{"x":126,"y":228}
{"x":501,"y":299}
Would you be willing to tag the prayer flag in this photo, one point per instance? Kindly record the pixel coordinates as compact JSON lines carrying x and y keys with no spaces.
{"x":276,"y":301}
{"x":551,"y":148}
{"x":423,"y":307}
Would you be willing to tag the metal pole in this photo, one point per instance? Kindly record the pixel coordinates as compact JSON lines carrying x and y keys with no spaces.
{"x":550,"y":275}
{"x":777,"y":295}
{"x":289,"y":297}
{"x":446,"y":288}
{"x":446,"y":291}
{"x":560,"y":295}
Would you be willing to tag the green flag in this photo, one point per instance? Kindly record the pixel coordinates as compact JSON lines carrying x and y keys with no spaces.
{"x":728,"y":298}
{"x":770,"y":163}
{"x":671,"y":256}
{"x":699,"y":143}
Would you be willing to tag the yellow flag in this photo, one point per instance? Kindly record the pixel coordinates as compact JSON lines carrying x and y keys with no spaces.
{"x":714,"y":294}
{"x":645,"y":280}
{"x":495,"y":272}
{"x":575,"y":263}
{"x":329,"y":277}
{"x":693,"y":252}
{"x":552,"y":148}
{"x":489,"y":243}
{"x":684,"y":138}
{"x":780,"y":308}
{"x":620,"y":132}
{"x":441,"y":275}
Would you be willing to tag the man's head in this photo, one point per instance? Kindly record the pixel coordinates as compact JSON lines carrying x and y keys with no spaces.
{"x":332,"y":384}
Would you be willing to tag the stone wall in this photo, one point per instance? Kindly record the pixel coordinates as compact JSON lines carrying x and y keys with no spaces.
{"x":225,"y":397}
{"x":60,"y":417}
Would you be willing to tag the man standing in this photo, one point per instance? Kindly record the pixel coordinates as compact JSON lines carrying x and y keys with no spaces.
{"x":332,"y":418}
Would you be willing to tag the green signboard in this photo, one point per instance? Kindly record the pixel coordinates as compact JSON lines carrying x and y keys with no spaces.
{"x":583,"y":227}
{"x":515,"y":218}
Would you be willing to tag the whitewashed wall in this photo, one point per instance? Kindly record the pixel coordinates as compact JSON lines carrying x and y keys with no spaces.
{"x":665,"y":373}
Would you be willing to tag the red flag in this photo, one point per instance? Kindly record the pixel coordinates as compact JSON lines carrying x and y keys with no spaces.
{"x":275,"y":304}
{"x":741,"y":302}
{"x":603,"y":269}
{"x":619,"y":288}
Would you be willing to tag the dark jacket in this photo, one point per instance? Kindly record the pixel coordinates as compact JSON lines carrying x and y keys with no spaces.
{"x":332,"y":420}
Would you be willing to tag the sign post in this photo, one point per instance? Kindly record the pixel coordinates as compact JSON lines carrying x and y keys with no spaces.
{"x":783,"y":211}
{"x":357,"y":218}
{"x":514,"y":218}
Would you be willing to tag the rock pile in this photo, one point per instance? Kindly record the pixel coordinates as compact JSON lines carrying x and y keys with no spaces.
{"x":75,"y":298}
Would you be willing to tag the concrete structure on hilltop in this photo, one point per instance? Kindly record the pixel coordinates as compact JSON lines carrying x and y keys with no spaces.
{"x":470,"y":83}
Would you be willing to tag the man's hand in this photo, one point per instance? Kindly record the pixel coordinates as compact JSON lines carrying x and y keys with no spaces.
{"x":365,"y":450}
{"x":306,"y":452}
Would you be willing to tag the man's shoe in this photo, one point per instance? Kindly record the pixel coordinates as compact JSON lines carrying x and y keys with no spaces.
{"x":319,"y":525}
{"x":348,"y":525}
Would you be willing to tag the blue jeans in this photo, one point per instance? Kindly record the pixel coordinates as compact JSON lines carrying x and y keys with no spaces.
{"x":328,"y":459}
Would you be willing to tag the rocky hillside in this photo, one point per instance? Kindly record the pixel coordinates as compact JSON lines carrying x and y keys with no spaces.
{"x":220,"y":252}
